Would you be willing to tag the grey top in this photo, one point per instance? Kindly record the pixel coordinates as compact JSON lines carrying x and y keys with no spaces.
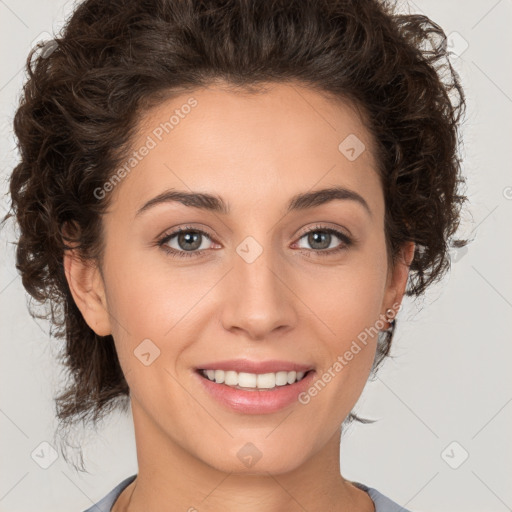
{"x":381,"y":502}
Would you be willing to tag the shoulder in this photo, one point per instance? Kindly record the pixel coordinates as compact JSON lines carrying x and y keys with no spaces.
{"x":382,"y":503}
{"x":105,"y":504}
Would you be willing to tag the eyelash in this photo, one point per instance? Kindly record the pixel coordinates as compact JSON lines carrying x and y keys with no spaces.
{"x":346,"y":241}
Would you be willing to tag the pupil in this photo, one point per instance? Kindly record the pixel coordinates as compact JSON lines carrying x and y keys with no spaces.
{"x":188,"y":238}
{"x":314,"y":239}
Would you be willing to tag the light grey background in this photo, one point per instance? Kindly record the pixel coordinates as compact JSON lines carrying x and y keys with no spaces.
{"x":450,"y":378}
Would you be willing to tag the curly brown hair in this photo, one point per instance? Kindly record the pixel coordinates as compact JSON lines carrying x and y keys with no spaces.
{"x":114,"y":60}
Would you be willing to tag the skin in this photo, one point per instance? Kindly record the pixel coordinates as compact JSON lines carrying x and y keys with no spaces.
{"x":256,"y":151}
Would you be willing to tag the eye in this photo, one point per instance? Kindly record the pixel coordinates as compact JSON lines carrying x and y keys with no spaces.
{"x":321,"y":238}
{"x":188,"y":241}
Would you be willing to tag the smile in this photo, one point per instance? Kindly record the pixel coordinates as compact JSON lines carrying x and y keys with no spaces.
{"x":254,"y":381}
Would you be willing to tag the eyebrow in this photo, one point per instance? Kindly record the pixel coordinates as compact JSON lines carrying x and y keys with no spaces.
{"x":215,"y":203}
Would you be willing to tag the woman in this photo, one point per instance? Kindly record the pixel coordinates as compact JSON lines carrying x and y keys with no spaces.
{"x":225,"y":203}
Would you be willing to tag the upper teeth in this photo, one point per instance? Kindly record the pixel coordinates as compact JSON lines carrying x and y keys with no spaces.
{"x":253,"y":380}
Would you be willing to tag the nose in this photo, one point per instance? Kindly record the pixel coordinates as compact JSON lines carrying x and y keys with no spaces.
{"x":258,"y":298}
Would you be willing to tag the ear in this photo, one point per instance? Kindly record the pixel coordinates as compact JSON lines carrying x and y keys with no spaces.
{"x":87,"y":288}
{"x":397,"y":278}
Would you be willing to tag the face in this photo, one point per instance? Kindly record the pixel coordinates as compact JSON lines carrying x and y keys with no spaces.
{"x":259,"y":282}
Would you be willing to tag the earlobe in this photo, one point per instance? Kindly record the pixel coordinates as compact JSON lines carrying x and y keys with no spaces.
{"x":87,"y":288}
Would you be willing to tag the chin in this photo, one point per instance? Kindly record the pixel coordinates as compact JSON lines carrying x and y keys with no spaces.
{"x":254,"y":458}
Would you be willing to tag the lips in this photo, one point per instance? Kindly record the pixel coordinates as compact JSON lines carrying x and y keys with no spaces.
{"x":252,"y":401}
{"x":248,"y":366}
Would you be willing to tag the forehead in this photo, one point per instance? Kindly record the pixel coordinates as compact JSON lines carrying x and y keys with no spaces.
{"x":249,"y":146}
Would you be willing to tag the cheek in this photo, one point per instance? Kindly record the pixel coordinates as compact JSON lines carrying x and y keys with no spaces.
{"x":351,"y":294}
{"x":145,"y":296}
{"x":350,"y":304}
{"x":153,"y":302}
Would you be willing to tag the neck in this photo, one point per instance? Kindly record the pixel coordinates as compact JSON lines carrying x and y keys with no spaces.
{"x":170,"y":478}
